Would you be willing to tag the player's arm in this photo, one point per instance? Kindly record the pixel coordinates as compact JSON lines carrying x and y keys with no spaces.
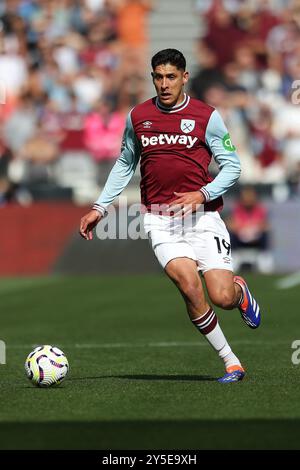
{"x":218,"y":140}
{"x":118,"y":179}
{"x":223,"y":151}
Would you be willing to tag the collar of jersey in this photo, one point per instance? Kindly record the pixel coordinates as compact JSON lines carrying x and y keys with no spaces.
{"x":173,"y":109}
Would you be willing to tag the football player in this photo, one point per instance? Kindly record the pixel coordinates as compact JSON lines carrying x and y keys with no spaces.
{"x":174,"y":137}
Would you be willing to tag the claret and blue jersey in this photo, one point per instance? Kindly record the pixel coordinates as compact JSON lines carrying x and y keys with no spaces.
{"x":175,"y":146}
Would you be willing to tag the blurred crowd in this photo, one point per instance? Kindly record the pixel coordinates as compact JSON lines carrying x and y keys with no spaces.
{"x":71,"y":69}
{"x":69,"y":72}
{"x":249,"y":68}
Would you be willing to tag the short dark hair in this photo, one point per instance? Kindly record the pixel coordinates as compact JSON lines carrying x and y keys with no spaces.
{"x":169,"y":56}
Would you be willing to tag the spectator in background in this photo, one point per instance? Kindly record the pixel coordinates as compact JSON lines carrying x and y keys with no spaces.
{"x":72,"y":127}
{"x":256,"y":19}
{"x":286,"y":128}
{"x":221,"y":26}
{"x":131,"y":26}
{"x":88,"y":87}
{"x":103,"y":130}
{"x":21,"y":124}
{"x":51,"y":120}
{"x":267,"y":148}
{"x":209,"y":72}
{"x":221,"y":98}
{"x":100,"y":47}
{"x":39,"y":149}
{"x":248,"y":222}
{"x":249,"y":230}
{"x":248,"y":71}
{"x":13,"y":51}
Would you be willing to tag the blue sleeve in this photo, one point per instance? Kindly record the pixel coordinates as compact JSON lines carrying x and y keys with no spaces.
{"x":123,"y":169}
{"x":218,"y":140}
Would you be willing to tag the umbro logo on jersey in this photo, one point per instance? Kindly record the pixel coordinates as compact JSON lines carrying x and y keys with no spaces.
{"x":187,"y":125}
{"x":147,"y":124}
{"x":165,"y":139}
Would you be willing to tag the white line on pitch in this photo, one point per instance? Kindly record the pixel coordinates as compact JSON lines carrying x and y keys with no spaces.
{"x":289,"y":281}
{"x":163,"y":344}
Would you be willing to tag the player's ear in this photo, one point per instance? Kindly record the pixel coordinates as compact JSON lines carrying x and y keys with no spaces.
{"x":185,"y":77}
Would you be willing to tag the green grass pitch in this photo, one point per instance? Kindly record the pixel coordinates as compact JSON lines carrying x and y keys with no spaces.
{"x":141,"y":375}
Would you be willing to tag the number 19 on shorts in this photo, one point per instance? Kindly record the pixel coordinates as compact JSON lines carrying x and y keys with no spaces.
{"x":223,"y":245}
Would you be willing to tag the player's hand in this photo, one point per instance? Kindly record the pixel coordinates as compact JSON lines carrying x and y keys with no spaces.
{"x":186,"y":203}
{"x":88,"y":222}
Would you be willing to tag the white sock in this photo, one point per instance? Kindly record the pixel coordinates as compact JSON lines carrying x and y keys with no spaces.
{"x":208,"y":325}
{"x":231,"y":360}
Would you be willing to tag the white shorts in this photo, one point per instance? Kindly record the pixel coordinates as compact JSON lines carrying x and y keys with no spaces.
{"x":201,"y":236}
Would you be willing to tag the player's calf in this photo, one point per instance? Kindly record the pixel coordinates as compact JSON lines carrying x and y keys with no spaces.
{"x":222,"y":289}
{"x":226,"y":299}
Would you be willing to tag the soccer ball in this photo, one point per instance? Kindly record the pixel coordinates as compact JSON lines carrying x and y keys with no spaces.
{"x":46,"y":366}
